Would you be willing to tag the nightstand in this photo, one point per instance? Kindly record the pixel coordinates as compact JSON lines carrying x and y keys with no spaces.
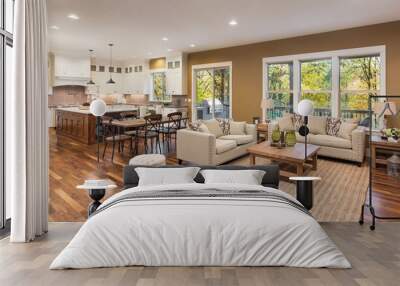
{"x":304,"y":190}
{"x":96,"y":190}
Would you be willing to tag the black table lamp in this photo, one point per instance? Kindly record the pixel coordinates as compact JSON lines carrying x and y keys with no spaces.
{"x":98,"y":108}
{"x":305,"y":108}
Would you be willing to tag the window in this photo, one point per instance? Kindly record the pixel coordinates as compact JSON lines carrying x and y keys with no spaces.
{"x":6,"y":60}
{"x":159,"y":87}
{"x":212,"y":91}
{"x":338,"y":82}
{"x":316,"y":85}
{"x":280,"y":89}
{"x":359,"y":77}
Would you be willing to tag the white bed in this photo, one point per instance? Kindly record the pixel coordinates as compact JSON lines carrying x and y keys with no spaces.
{"x":200,"y":231}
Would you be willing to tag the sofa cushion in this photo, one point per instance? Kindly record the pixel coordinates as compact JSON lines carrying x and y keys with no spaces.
{"x":325,"y":140}
{"x":214,"y":127}
{"x":237,"y":128}
{"x":240,"y":139}
{"x":331,"y":141}
{"x":285,"y":123}
{"x":317,"y":124}
{"x":223,"y":145}
{"x":345,"y":130}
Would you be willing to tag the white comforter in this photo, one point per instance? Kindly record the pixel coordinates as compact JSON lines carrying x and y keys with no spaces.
{"x":212,"y":231}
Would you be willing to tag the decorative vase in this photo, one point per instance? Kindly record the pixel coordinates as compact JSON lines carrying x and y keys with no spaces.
{"x":290,"y":138}
{"x":276,"y":136}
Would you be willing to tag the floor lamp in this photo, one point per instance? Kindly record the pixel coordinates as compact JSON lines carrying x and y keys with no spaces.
{"x":388,"y":109}
{"x":98,"y":108}
{"x":305,"y":108}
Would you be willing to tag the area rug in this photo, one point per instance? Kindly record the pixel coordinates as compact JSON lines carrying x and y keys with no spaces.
{"x":338,"y":197}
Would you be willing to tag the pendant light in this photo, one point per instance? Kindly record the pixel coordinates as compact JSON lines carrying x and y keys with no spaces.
{"x":91,"y":82}
{"x":110,"y":81}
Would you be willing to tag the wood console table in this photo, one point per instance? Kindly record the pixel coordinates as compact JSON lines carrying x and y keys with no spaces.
{"x":377,"y":143}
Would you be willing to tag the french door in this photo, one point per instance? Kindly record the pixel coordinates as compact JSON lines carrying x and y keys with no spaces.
{"x":212,"y":91}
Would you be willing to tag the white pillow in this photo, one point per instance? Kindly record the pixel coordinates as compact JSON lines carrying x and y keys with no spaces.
{"x":237,"y":128}
{"x":166,"y":176}
{"x":247,"y":177}
{"x":214,"y":127}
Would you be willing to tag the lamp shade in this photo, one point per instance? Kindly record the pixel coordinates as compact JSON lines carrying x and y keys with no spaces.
{"x":266,"y":103}
{"x":98,"y":107}
{"x":305,"y":107}
{"x":384,"y":108}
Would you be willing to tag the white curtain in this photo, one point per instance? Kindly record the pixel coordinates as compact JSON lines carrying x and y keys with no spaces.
{"x":27,"y":137}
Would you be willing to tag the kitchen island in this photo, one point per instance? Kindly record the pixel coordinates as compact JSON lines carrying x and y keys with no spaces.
{"x":79,"y":124}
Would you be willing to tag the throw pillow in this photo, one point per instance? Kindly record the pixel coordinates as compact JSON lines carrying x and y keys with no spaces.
{"x":297,"y":121}
{"x":224,"y":124}
{"x":238,"y":128}
{"x":345,"y":130}
{"x":246,"y":177}
{"x":214,"y":127}
{"x":166,"y":176}
{"x":195,"y":125}
{"x":317,"y":125}
{"x":332,"y":126}
{"x":285,"y":123}
{"x":198,"y":126}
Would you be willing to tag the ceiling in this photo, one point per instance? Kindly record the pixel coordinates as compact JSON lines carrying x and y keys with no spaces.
{"x":137,"y":27}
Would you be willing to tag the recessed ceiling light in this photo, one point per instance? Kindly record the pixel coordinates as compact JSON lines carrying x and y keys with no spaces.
{"x":54,"y":27}
{"x":233,"y":22}
{"x":192,"y":45}
{"x":165,"y":39}
{"x":73,"y":17}
{"x":169,"y":50}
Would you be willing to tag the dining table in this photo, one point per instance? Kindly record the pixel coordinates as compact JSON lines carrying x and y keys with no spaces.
{"x":136,"y":124}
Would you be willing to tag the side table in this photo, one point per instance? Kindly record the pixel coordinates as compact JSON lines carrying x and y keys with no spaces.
{"x":304,"y":190}
{"x":262,"y":128}
{"x":96,"y":190}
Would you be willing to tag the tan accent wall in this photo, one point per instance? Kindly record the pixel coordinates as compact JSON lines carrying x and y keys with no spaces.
{"x":158,"y":63}
{"x":247,"y":60}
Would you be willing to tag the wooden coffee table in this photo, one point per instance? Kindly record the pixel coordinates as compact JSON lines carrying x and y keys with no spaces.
{"x":289,"y":155}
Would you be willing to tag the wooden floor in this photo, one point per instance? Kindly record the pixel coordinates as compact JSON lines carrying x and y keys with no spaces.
{"x":72,"y":162}
{"x":375,"y":259}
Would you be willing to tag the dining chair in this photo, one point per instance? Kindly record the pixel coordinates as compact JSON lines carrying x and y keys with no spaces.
{"x":132,"y":132}
{"x":151,"y":130}
{"x":112,"y":136}
{"x":172,"y":126}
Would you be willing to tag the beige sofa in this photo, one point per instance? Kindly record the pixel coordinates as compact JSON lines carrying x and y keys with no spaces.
{"x":209,"y":148}
{"x":352,"y":149}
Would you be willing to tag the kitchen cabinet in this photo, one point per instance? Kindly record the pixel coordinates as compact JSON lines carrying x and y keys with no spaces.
{"x":51,"y":117}
{"x":176,"y":75}
{"x":70,"y":67}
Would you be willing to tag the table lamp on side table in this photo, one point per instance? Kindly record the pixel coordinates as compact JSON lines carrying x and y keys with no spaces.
{"x":305,"y":108}
{"x":265,"y":105}
{"x":98,"y":108}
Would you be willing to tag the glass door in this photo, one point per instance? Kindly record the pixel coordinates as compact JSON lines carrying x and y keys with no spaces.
{"x":212,"y":93}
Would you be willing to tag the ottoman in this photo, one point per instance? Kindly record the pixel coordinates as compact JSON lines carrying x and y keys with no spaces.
{"x":148,"y":160}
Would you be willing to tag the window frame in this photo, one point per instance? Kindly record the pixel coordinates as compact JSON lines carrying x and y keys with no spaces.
{"x":335,"y":56}
{"x":211,"y":66}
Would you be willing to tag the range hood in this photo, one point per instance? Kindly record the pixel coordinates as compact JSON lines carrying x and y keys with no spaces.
{"x":71,"y":71}
{"x":76,"y":81}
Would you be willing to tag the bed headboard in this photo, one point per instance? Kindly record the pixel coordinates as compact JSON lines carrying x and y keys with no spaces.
{"x":270,"y":179}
